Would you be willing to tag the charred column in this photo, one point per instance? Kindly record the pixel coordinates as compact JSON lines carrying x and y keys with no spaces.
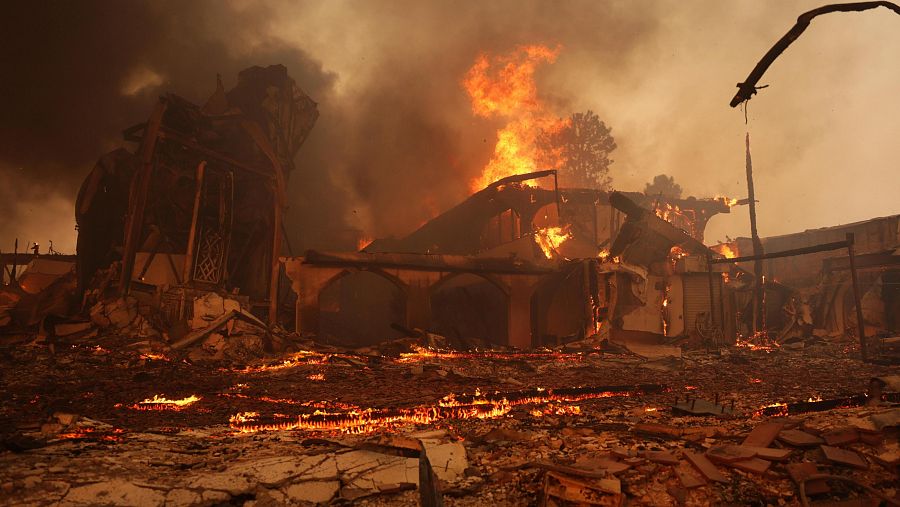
{"x":863,"y":347}
{"x":757,"y":245}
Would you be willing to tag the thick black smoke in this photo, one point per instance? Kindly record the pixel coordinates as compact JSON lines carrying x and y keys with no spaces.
{"x":392,"y":147}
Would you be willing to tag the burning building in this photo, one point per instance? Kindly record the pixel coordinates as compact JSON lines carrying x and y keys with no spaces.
{"x":546,"y":340}
{"x":821,"y":281}
{"x":519,"y":265}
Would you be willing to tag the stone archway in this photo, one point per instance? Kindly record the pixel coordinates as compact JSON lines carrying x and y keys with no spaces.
{"x":468,"y":309}
{"x":357,"y":308}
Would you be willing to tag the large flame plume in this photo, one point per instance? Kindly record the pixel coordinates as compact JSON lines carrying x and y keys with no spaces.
{"x":503,"y":87}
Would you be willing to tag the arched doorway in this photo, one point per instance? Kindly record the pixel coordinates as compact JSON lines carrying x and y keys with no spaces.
{"x":357,"y":308}
{"x":557,"y":309}
{"x":468,"y":309}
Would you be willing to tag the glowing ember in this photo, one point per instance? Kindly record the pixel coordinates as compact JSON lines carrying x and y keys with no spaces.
{"x":422,"y":353}
{"x":155,"y":357}
{"x":603,"y":255}
{"x":295,"y":359}
{"x":755,"y":381}
{"x":759,"y":341}
{"x":318,"y":377}
{"x":503,"y":86}
{"x":552,"y":409}
{"x":89,"y":433}
{"x":775,"y":409}
{"x":158,"y":402}
{"x":550,"y":239}
{"x":466,"y":406}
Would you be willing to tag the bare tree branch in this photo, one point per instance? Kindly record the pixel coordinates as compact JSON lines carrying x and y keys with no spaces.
{"x":748,"y":88}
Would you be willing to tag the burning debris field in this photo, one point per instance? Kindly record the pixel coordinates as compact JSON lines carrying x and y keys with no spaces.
{"x":287,"y":291}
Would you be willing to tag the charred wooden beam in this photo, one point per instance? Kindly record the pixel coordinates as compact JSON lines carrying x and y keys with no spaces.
{"x":134,"y":222}
{"x":848,"y":244}
{"x":748,"y":88}
{"x":171,"y":135}
{"x":785,"y":253}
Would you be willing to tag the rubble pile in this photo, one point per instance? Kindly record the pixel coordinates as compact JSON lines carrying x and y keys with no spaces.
{"x":166,"y":435}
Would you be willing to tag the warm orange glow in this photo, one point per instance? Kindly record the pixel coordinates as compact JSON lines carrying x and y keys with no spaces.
{"x":295,"y":359}
{"x":550,"y":239}
{"x":363,"y":242}
{"x":158,"y":402}
{"x":728,"y":201}
{"x":725,"y":250}
{"x":782,"y":410}
{"x":422,"y":353}
{"x":154,"y":356}
{"x":503,"y":87}
{"x":552,"y":409}
{"x":92,"y":434}
{"x":317,"y":377}
{"x":760,"y":341}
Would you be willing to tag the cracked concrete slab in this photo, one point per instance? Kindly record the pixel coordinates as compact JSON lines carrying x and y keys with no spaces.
{"x":114,"y":492}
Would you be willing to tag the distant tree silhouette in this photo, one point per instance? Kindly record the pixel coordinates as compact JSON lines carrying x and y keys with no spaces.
{"x":584,"y":144}
{"x":663,"y":185}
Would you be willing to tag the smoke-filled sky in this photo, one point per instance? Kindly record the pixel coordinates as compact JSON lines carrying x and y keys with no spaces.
{"x":397,"y":142}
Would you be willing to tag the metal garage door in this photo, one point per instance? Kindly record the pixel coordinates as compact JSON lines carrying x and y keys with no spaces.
{"x":696,"y":299}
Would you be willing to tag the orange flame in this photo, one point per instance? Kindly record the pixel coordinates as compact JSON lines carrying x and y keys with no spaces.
{"x":503,"y":86}
{"x":726,"y":250}
{"x":550,"y":239}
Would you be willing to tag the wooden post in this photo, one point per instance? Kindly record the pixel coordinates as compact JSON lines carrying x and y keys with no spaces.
{"x":137,"y":201}
{"x":588,"y":326}
{"x":12,"y":274}
{"x":256,"y":133}
{"x":712,"y":304}
{"x":276,"y":262}
{"x":558,"y":200}
{"x":192,"y":236}
{"x":863,"y":348}
{"x":722,"y":306}
{"x":757,"y":244}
